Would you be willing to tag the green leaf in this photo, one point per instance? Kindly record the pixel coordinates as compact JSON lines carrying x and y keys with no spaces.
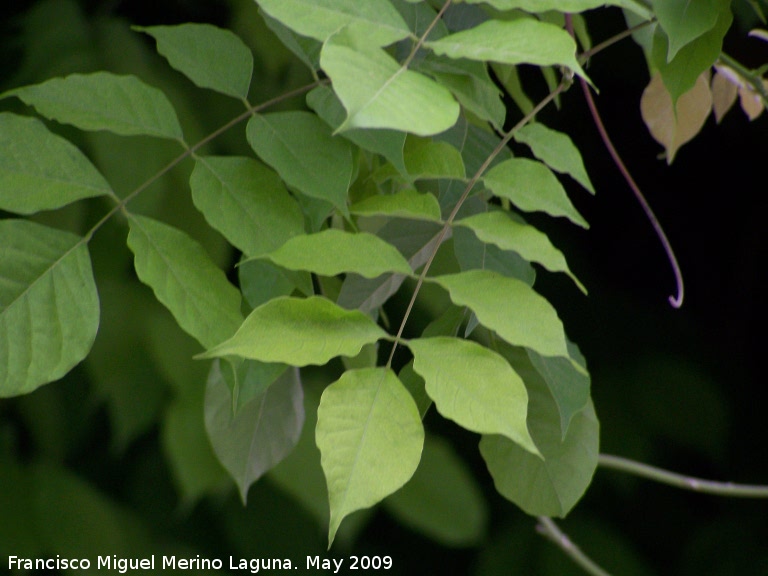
{"x":681,"y":73}
{"x":375,"y":20}
{"x":300,"y":147}
{"x":370,"y":437}
{"x":261,"y":434}
{"x":510,"y":307}
{"x":474,"y":254}
{"x":556,"y":150}
{"x":522,"y":41}
{"x":299,"y":332}
{"x":209,"y":56}
{"x":442,"y":500}
{"x":685,"y":20}
{"x":474,"y":387}
{"x":49,"y":307}
{"x":373,"y":86}
{"x":425,"y":158}
{"x":550,"y":486}
{"x":532,"y":187}
{"x":102,"y":101}
{"x":388,"y":143}
{"x":184,"y":280}
{"x":260,"y":280}
{"x":40,"y":170}
{"x":306,"y":49}
{"x":246,"y":202}
{"x":406,"y":204}
{"x":574,"y":6}
{"x":498,"y":228}
{"x":332,"y":252}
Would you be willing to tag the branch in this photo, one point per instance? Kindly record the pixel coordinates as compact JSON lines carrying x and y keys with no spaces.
{"x":753,"y":79}
{"x":681,"y":481}
{"x":549,"y":529}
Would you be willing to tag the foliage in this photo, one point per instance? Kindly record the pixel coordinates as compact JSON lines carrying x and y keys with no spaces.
{"x":391,"y":180}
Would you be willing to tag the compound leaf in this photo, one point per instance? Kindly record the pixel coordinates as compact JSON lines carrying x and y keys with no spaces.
{"x":102,"y":101}
{"x":473,"y":386}
{"x":300,"y":147}
{"x":245,"y":201}
{"x":425,"y":158}
{"x":262,"y":432}
{"x":532,"y":187}
{"x":406,"y":204}
{"x":370,"y":437}
{"x":49,"y":307}
{"x":40,"y":170}
{"x":510,"y":307}
{"x":685,"y":20}
{"x":332,"y":252}
{"x":209,"y":56}
{"x":185,"y":280}
{"x":299,"y":332}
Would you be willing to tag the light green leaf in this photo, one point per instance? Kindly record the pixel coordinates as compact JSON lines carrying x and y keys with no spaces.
{"x":261,"y":434}
{"x":306,"y":49}
{"x":373,"y":86}
{"x":375,"y":20}
{"x":299,"y":332}
{"x":510,"y":307}
{"x":246,"y":202}
{"x":209,"y":56}
{"x":40,"y":170}
{"x":332,"y":252}
{"x":552,"y":486}
{"x":184,"y":280}
{"x":685,"y":20}
{"x":565,"y":5}
{"x":681,"y":73}
{"x":442,"y":500}
{"x":102,"y":101}
{"x":260,"y":280}
{"x":556,"y":150}
{"x":49,"y":307}
{"x":388,"y":143}
{"x":532,"y":187}
{"x":425,"y":158}
{"x":498,"y":228}
{"x":474,"y":254}
{"x":406,"y":204}
{"x":370,"y":437}
{"x":522,"y":41}
{"x":474,"y":387}
{"x":300,"y":147}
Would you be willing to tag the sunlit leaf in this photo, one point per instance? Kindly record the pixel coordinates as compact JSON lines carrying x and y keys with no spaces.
{"x":685,"y":20}
{"x":209,"y":56}
{"x":550,"y":486}
{"x":442,"y":500}
{"x":185,"y":280}
{"x":498,"y":228}
{"x":406,"y":204}
{"x":40,"y":170}
{"x":332,"y":252}
{"x":300,"y":147}
{"x":532,"y":187}
{"x":510,"y":307}
{"x":473,"y":386}
{"x":299,"y":332}
{"x":425,"y":158}
{"x":522,"y":41}
{"x":246,"y":202}
{"x":673,"y":127}
{"x":373,"y":86}
{"x":102,"y":101}
{"x":261,"y":433}
{"x":370,"y":436}
{"x":556,"y":150}
{"x":375,"y":20}
{"x":49,"y":307}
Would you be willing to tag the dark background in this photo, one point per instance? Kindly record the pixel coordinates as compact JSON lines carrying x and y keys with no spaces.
{"x":680,"y":389}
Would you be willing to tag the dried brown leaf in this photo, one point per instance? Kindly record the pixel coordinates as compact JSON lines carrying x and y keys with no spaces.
{"x":724,"y":93}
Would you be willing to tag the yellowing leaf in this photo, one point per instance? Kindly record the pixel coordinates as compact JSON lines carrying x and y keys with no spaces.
{"x":750,"y":102}
{"x":672,"y":128}
{"x":724,"y":92}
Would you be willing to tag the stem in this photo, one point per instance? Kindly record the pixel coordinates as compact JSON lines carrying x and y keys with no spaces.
{"x":421,"y":40}
{"x":587,"y":54}
{"x":677,"y":300}
{"x":754,"y":80}
{"x":564,"y":84}
{"x":551,"y":530}
{"x":681,"y":481}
